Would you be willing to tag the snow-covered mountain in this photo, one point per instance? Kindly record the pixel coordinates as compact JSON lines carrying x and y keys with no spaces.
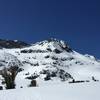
{"x":49,"y":61}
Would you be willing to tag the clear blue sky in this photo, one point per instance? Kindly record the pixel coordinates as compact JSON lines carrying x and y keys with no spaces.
{"x":75,"y":21}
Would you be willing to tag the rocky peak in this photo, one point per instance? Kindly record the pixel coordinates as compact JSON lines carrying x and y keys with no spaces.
{"x":53,"y":44}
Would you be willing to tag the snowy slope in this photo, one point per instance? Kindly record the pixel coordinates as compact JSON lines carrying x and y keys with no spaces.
{"x":49,"y":60}
{"x":62,"y":91}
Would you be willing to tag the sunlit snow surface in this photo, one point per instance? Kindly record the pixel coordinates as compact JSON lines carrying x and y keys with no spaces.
{"x":62,"y":91}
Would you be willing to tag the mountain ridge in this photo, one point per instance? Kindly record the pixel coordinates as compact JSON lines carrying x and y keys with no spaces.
{"x":12,"y":44}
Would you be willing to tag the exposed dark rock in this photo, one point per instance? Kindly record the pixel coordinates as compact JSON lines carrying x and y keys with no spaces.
{"x":48,"y":49}
{"x":33,"y":83}
{"x":12,"y":44}
{"x":74,"y":81}
{"x":21,"y":87}
{"x":57,"y":51}
{"x":47,"y":56}
{"x":93,"y":78}
{"x":34,"y":76}
{"x":64,"y":75}
{"x":32,"y":51}
{"x":1,"y":88}
{"x":54,"y":58}
{"x":47,"y":77}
